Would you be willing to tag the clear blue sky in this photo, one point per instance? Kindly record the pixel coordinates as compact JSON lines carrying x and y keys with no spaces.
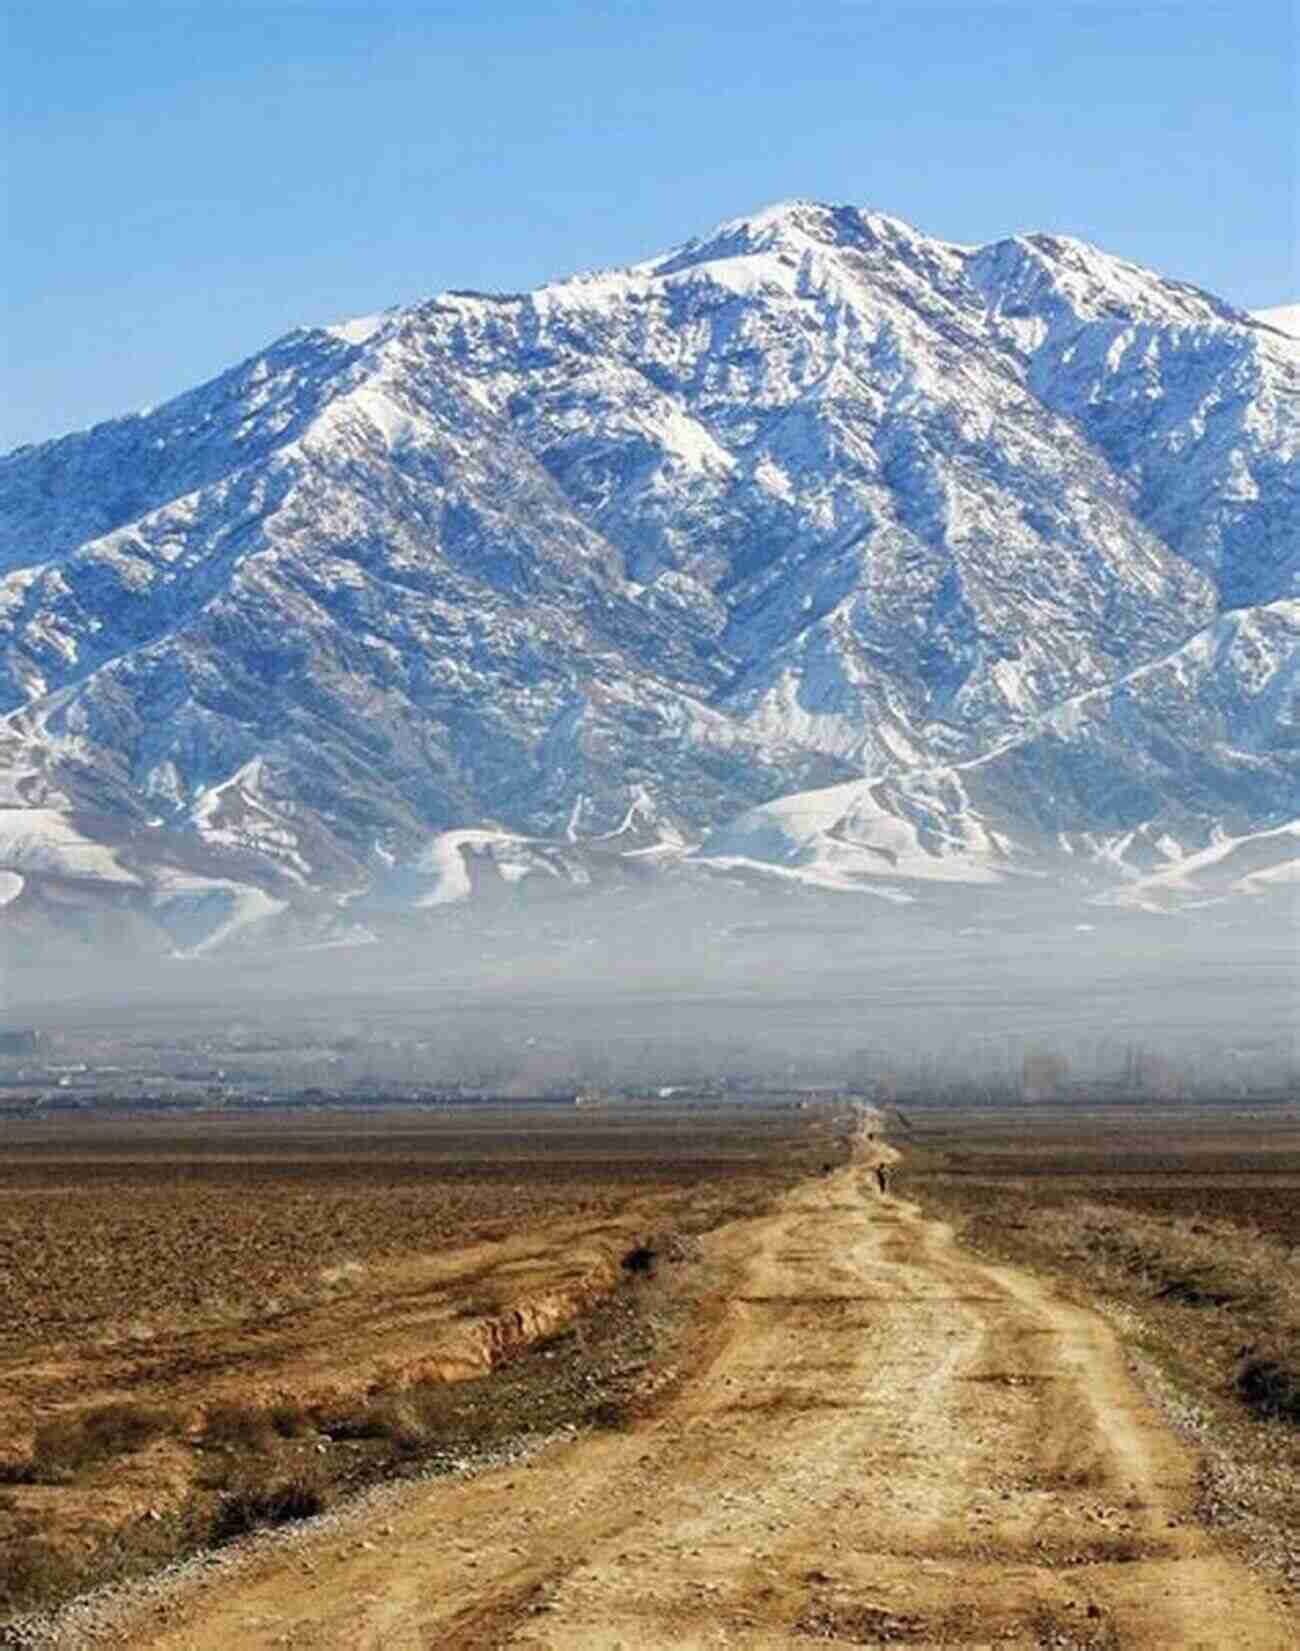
{"x":185,"y":181}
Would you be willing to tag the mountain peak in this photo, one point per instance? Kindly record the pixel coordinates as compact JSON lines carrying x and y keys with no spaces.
{"x":794,"y":225}
{"x":1048,"y":271}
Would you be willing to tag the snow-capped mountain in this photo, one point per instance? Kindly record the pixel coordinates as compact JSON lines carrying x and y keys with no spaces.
{"x":991,"y":552}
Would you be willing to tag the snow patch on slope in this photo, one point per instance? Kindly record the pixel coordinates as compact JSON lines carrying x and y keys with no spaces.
{"x":234,"y":814}
{"x":845,"y":834}
{"x":1247,"y":864}
{"x":361,"y":329}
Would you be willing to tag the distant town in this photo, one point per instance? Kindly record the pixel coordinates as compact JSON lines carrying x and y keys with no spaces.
{"x":240,"y":1064}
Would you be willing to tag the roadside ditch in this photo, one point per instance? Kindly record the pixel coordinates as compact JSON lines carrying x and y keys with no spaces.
{"x":597,"y":1357}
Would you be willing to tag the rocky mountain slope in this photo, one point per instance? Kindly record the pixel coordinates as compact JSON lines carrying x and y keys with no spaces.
{"x":984,"y":559}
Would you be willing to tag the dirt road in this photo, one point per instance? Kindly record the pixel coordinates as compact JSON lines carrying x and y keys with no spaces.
{"x":892,"y":1443}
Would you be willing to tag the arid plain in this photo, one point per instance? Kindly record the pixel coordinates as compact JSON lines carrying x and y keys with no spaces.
{"x":654,"y":1376}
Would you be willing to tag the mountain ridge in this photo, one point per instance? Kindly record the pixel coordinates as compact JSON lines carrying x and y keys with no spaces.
{"x":811,"y":500}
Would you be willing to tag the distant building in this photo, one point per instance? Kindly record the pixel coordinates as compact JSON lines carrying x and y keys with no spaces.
{"x":18,"y":1040}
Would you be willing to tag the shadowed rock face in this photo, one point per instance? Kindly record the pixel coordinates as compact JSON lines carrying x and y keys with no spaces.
{"x":1009,"y":531}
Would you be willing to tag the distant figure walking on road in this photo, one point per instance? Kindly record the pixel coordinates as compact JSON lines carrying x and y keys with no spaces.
{"x":882,"y":1179}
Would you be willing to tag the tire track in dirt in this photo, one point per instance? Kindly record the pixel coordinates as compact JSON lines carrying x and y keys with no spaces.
{"x":892,"y":1443}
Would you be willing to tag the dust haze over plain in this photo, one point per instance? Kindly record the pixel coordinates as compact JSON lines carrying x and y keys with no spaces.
{"x":730,"y":981}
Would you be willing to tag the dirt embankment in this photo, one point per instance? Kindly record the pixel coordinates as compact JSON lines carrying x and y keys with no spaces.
{"x":307,"y":1308}
{"x":890,"y":1442}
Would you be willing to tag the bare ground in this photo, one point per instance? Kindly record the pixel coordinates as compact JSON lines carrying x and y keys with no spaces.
{"x":1180,"y":1224}
{"x":195,"y":1314}
{"x":887,"y":1442}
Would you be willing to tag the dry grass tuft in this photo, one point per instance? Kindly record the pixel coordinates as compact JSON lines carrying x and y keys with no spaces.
{"x":258,"y":1499}
{"x":640,"y":1260}
{"x":1270,"y":1388}
{"x":70,"y":1445}
{"x":397,"y":1421}
{"x":239,"y":1427}
{"x":33,"y":1572}
{"x":291,"y":1421}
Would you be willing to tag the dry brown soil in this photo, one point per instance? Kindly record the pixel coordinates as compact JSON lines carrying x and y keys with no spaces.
{"x":321,"y":1263}
{"x":1237,"y":1165}
{"x":890,"y":1442}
